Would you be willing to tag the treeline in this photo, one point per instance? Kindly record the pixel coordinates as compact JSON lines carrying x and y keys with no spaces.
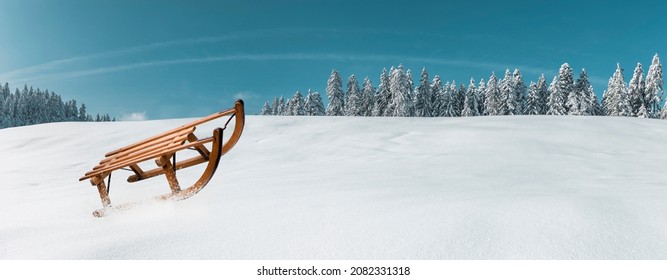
{"x":398,"y":96}
{"x":34,"y":106}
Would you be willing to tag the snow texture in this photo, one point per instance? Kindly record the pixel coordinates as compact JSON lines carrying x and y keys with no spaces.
{"x":511,"y":187}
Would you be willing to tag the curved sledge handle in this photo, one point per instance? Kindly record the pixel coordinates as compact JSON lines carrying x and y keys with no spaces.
{"x":238,"y":127}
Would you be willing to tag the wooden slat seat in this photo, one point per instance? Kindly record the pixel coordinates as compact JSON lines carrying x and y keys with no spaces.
{"x":162,"y":148}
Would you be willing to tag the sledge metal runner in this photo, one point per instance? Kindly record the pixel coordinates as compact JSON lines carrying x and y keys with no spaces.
{"x":162,"y":149}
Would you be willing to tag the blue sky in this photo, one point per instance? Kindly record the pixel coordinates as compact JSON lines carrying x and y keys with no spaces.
{"x":168,"y":59}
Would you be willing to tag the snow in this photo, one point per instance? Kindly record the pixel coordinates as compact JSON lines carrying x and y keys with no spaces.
{"x":519,"y":187}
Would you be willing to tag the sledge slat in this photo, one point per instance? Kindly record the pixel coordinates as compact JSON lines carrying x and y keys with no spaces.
{"x":192,"y":124}
{"x":144,"y":157}
{"x":171,"y":139}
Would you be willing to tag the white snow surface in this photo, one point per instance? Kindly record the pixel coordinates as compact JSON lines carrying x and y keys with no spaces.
{"x":521,"y":187}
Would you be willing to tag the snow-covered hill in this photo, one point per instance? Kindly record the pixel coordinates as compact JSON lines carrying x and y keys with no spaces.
{"x":352,"y":188}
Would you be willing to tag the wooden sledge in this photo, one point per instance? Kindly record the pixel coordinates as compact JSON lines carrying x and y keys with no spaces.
{"x":162,"y":149}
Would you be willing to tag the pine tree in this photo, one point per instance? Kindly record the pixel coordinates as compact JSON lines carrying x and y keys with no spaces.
{"x":470,"y":106}
{"x":460,"y":99}
{"x":519,"y":89}
{"x":445,"y":99}
{"x":492,"y":100}
{"x":295,"y":105}
{"x":636,"y":91}
{"x":423,"y":96}
{"x":275,"y":105}
{"x":618,"y":101}
{"x":313,"y":104}
{"x":507,"y":96}
{"x":399,"y":87}
{"x":266,"y":110}
{"x":585,"y":100}
{"x":383,"y":97}
{"x":543,"y":95}
{"x":353,"y":104}
{"x":481,"y":91}
{"x":555,"y":101}
{"x":654,"y":87}
{"x":436,"y":97}
{"x":452,"y":100}
{"x":83,"y":116}
{"x":606,"y":107}
{"x":533,"y":100}
{"x":6,"y":92}
{"x":410,"y":89}
{"x":281,"y":110}
{"x":335,"y":94}
{"x":576,"y":102}
{"x":565,"y":84}
{"x":367,"y":98}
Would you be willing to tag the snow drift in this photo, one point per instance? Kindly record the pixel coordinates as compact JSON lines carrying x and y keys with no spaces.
{"x":521,"y":187}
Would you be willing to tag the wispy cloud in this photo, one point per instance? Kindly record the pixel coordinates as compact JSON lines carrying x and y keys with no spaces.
{"x":63,"y":68}
{"x":137,"y":116}
{"x":268,"y":57}
{"x":255,"y":34}
{"x":245,"y":95}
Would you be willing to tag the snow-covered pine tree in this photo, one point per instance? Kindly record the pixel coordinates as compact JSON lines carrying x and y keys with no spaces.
{"x":470,"y":106}
{"x":543,"y":95}
{"x":401,"y":104}
{"x":605,"y":106}
{"x":295,"y":105}
{"x":282,"y":110}
{"x":565,"y":84}
{"x":460,"y":99}
{"x":423,"y":96}
{"x":286,"y":107}
{"x":492,"y":99}
{"x":589,"y":100}
{"x":654,"y":87}
{"x":54,"y":107}
{"x":367,"y":98}
{"x":636,"y":91}
{"x":555,"y":101}
{"x":507,"y":102}
{"x":6,"y":91}
{"x":275,"y":106}
{"x":9,"y":106}
{"x":383,"y":96}
{"x":313,"y":104}
{"x":411,"y":90}
{"x":532,"y":100}
{"x":266,"y":110}
{"x":519,"y":89}
{"x":436,"y":97}
{"x":452,"y":97}
{"x":576,"y":104}
{"x":83,"y":115}
{"x":618,"y":95}
{"x":446,"y":99}
{"x":481,"y":91}
{"x":335,"y":94}
{"x":353,"y":104}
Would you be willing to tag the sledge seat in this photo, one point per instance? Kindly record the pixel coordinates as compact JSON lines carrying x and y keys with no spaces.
{"x":162,"y":149}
